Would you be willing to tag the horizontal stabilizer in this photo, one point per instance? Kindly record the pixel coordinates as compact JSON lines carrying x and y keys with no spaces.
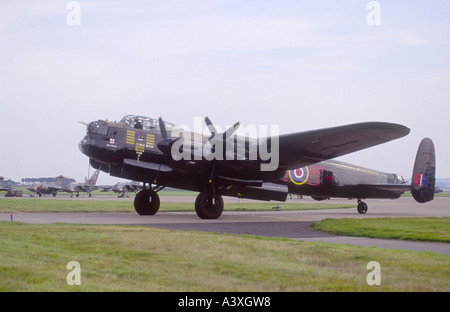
{"x":423,"y":178}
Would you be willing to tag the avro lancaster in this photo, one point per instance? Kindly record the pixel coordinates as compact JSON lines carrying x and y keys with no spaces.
{"x":160,"y":154}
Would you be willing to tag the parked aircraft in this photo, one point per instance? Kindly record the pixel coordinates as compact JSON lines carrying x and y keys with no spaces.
{"x":47,"y":188}
{"x":87,"y":187}
{"x":2,"y":186}
{"x":123,"y":188}
{"x":224,"y":164}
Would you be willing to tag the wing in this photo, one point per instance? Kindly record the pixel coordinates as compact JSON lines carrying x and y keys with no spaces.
{"x":304,"y":148}
{"x":55,"y":188}
{"x":105,"y":188}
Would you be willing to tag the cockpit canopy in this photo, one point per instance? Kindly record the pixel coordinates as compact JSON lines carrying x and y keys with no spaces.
{"x":98,"y":127}
{"x":144,"y":123}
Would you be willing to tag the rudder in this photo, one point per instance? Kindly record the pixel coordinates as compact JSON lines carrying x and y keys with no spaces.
{"x":423,"y":178}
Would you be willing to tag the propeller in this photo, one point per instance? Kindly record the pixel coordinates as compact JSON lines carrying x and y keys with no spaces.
{"x":219,"y":138}
{"x":165,"y":145}
{"x":229,"y":132}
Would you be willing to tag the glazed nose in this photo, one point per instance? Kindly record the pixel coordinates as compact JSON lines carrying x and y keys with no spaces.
{"x":84,"y":145}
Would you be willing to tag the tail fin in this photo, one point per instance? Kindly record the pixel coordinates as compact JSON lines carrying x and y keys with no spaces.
{"x":423,"y":179}
{"x":93,"y":179}
{"x":60,"y":179}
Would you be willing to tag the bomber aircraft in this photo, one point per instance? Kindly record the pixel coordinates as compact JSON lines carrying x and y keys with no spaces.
{"x":160,"y":154}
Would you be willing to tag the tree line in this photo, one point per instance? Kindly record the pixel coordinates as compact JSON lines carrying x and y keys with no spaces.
{"x":65,"y":181}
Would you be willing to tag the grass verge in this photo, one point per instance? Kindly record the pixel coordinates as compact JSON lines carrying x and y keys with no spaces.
{"x":11,"y":205}
{"x":418,"y":229}
{"x":132,"y":258}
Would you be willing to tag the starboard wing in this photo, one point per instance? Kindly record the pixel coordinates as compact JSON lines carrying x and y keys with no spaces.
{"x":304,"y":148}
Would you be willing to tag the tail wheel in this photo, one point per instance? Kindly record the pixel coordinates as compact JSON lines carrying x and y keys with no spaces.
{"x":208,"y":206}
{"x":146,"y":202}
{"x":362,"y":207}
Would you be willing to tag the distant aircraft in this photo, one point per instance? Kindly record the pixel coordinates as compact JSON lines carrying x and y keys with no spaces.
{"x":123,"y":188}
{"x":438,"y":190}
{"x":87,"y":187}
{"x":47,"y":188}
{"x":2,"y":186}
{"x":157,"y":154}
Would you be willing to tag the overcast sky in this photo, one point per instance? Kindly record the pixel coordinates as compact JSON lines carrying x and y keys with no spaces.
{"x":300,"y":65}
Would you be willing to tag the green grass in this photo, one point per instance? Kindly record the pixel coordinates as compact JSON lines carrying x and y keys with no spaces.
{"x":36,"y":204}
{"x":62,"y":205}
{"x":133,"y":258}
{"x":418,"y":229}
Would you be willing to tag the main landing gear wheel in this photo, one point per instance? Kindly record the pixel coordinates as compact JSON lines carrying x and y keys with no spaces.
{"x":146,"y":202}
{"x":362,"y":207}
{"x":208,"y":206}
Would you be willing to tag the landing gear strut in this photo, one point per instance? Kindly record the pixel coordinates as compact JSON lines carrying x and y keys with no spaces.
{"x":362,"y":207}
{"x":209,"y":205}
{"x":146,"y":202}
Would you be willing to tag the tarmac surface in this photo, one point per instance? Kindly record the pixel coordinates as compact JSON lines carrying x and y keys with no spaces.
{"x":284,"y":224}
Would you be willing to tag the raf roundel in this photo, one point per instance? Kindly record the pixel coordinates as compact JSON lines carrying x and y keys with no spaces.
{"x":299,"y":176}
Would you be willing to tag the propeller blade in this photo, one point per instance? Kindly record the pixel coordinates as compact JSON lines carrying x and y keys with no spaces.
{"x":230,"y":131}
{"x":162,"y":128}
{"x":211,"y":128}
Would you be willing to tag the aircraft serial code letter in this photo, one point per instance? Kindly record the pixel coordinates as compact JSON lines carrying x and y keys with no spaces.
{"x":228,"y":301}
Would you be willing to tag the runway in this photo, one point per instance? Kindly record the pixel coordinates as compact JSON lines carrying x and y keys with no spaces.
{"x":283,"y":224}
